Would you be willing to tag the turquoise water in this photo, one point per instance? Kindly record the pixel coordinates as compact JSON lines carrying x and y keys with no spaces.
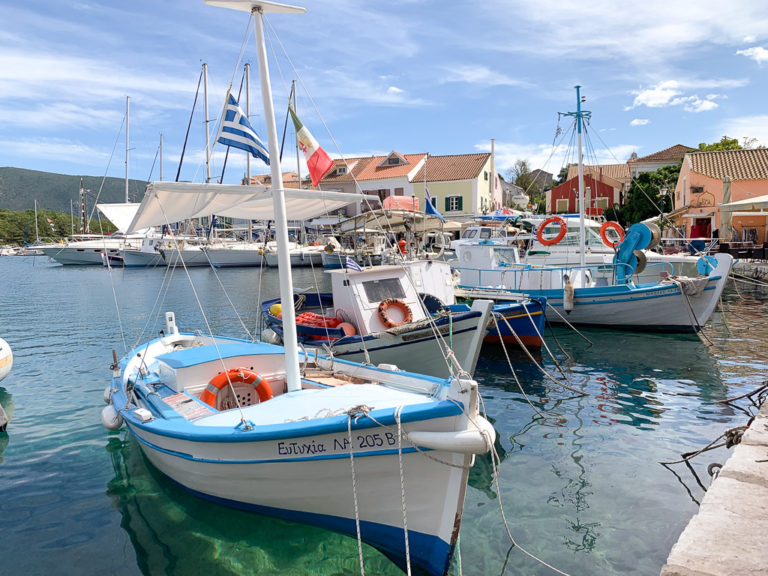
{"x":579,"y":481}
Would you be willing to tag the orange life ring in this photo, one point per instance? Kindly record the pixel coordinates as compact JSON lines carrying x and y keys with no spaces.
{"x":556,"y":239}
{"x":235,"y":375}
{"x":384,"y":307}
{"x":604,"y":237}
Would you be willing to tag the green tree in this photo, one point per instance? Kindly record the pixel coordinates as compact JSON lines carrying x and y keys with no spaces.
{"x":645,"y":198}
{"x":724,"y":144}
{"x":563,"y":175}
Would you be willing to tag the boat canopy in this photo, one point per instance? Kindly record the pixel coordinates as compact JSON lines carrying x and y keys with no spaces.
{"x":167,"y":202}
{"x":121,"y":215}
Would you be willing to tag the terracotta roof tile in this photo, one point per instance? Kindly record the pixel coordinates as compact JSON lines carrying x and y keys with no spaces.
{"x":455,"y":167}
{"x":672,"y":154}
{"x":737,"y":164}
{"x":618,"y":172}
{"x":377,"y":169}
{"x":354,"y":167}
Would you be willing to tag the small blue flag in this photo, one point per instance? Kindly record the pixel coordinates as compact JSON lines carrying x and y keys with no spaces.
{"x":353,"y":265}
{"x":430,"y":208}
{"x":237,"y":132}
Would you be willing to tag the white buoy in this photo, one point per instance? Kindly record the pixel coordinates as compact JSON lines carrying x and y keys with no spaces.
{"x":6,"y":359}
{"x":270,"y":336}
{"x":567,"y":294}
{"x":108,"y":395}
{"x":111,"y":418}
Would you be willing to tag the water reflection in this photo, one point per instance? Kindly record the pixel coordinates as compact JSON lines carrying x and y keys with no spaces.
{"x":6,"y":408}
{"x":174,"y":532}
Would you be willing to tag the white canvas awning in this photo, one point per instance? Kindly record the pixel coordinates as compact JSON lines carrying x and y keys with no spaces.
{"x":120,"y":215}
{"x":756,"y":203}
{"x":167,"y":202}
{"x":699,"y":214}
{"x":758,"y":213}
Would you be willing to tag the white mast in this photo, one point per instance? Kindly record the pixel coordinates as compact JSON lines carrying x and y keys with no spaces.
{"x":257,"y":8}
{"x":37,"y":233}
{"x":248,"y":115}
{"x":582,"y":240}
{"x":207,"y":135}
{"x":127,"y":140}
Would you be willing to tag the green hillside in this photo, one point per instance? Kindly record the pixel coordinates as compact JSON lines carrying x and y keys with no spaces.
{"x":19,"y":188}
{"x":58,"y":200}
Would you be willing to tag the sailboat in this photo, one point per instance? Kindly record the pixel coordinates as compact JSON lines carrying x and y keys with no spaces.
{"x":370,"y":451}
{"x":597,"y":294}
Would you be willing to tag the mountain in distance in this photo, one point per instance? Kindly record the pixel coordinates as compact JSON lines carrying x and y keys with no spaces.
{"x":19,"y":188}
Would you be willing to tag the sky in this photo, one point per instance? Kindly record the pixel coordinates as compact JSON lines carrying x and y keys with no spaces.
{"x":431,"y":76}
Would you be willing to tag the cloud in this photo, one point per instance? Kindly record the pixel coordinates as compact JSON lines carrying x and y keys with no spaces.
{"x":757,"y":53}
{"x":744,"y":127}
{"x":672,"y":93}
{"x":695,"y":104}
{"x":639,"y":122}
{"x":479,"y":75}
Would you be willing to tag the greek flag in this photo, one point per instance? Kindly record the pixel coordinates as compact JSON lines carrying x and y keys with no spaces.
{"x":353,"y":265}
{"x":237,"y":132}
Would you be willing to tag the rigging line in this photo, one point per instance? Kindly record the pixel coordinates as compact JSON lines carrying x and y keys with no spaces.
{"x":221,"y":120}
{"x":317,"y":111}
{"x":635,"y":181}
{"x":104,"y":176}
{"x":189,"y":126}
{"x":205,"y":317}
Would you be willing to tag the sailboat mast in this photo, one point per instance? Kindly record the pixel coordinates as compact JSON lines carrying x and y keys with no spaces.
{"x":127,"y":140}
{"x":278,"y":198}
{"x":37,"y":233}
{"x":248,"y":115}
{"x":582,"y":239}
{"x":207,"y":135}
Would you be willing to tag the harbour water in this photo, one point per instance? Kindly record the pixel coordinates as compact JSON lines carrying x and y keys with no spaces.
{"x":580,"y":484}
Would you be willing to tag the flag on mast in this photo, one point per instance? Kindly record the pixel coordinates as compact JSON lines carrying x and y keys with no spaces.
{"x":236,"y":131}
{"x":318,"y":162}
{"x":429,"y":208}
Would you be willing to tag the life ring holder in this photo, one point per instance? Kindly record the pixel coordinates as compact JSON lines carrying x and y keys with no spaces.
{"x":235,"y":376}
{"x":604,"y":236}
{"x":388,"y":303}
{"x":551,"y":241}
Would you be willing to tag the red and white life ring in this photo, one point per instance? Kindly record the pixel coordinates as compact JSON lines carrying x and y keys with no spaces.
{"x":604,"y":236}
{"x":551,"y":241}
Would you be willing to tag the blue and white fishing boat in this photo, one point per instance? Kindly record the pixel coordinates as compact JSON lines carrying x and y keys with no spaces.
{"x":598,"y":294}
{"x":377,"y":453}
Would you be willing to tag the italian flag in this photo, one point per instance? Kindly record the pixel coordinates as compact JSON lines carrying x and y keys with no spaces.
{"x":318,"y":162}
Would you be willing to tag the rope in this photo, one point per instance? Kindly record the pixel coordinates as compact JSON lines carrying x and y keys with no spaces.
{"x":402,"y":489}
{"x":354,"y":494}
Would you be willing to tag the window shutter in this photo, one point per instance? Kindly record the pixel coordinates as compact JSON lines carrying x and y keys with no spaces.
{"x":447,"y":204}
{"x":460,"y":204}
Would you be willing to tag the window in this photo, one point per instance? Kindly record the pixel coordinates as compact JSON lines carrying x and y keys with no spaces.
{"x":601,"y":203}
{"x":341,"y":170}
{"x":398,"y":191}
{"x":561,"y":206}
{"x":697,"y":189}
{"x":393,"y":161}
{"x":485,"y":175}
{"x":453,"y":203}
{"x":378,"y":290}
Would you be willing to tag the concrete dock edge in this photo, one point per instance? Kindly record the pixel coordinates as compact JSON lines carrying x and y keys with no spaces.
{"x":728,"y":534}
